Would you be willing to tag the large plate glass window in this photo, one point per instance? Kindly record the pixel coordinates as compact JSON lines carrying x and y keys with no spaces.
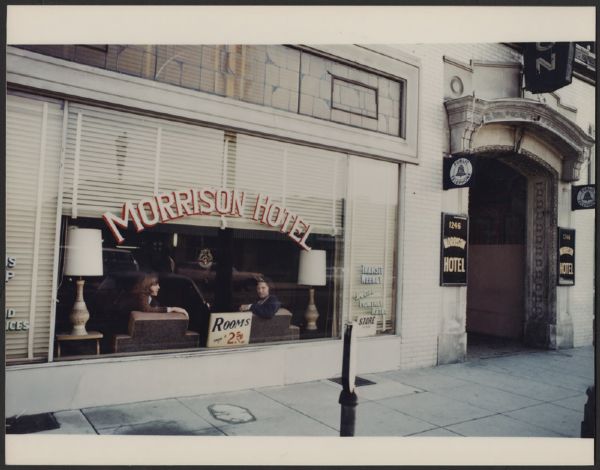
{"x":205,"y":263}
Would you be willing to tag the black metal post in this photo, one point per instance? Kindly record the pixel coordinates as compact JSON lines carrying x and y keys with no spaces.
{"x":348,"y":398}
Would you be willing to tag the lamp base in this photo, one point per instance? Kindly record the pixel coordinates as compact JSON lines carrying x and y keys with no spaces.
{"x":311,"y":314}
{"x":80,"y":314}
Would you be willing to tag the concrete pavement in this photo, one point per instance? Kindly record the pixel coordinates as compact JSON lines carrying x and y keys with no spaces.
{"x":528,"y":393}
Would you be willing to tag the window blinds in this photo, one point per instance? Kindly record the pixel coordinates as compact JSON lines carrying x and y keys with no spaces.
{"x":33,"y":147}
{"x":307,"y":181}
{"x":113,"y":157}
{"x":370,"y":271}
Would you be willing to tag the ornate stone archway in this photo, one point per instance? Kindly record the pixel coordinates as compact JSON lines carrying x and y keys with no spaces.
{"x":563,"y":148}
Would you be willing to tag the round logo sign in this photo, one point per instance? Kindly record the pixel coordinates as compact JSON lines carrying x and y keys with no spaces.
{"x":205,"y":259}
{"x":586,"y":196}
{"x":461,"y":171}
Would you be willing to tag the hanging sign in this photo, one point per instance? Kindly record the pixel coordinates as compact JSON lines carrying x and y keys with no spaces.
{"x":453,"y":257}
{"x":548,"y":66}
{"x":583,"y":197}
{"x":223,"y":202}
{"x":229,"y":329}
{"x":566,"y":256}
{"x":458,"y":172}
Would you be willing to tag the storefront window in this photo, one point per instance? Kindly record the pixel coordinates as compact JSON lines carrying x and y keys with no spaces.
{"x":250,"y":207}
{"x":209,"y":213}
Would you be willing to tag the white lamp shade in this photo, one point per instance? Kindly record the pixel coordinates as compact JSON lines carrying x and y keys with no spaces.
{"x":312,"y":269}
{"x":83,"y":254}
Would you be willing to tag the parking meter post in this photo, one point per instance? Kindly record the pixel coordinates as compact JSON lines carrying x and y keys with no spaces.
{"x":348,"y":399}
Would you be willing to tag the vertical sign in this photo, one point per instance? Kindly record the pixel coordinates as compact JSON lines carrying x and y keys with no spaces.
{"x":566,"y":256}
{"x":453,"y":257}
{"x":583,"y":197}
{"x":548,"y":66}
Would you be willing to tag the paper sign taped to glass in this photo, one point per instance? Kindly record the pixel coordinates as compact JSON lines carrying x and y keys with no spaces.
{"x":366,"y":325}
{"x":229,"y":329}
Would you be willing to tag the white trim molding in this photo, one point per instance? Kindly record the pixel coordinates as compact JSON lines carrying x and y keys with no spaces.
{"x":80,"y":82}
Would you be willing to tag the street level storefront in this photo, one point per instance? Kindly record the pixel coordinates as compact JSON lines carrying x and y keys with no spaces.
{"x":205,"y":211}
{"x":166,"y":187}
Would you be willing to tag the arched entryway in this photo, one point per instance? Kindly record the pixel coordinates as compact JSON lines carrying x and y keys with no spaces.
{"x":512,"y":211}
{"x":535,"y":147}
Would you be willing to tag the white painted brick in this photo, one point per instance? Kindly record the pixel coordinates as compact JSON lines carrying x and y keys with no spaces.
{"x":423,"y":304}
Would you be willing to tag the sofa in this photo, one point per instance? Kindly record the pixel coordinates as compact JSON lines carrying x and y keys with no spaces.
{"x":148,"y":331}
{"x":277,"y":328}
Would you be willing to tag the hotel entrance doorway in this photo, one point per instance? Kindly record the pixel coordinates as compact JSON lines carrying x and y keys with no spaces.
{"x":497,"y":256}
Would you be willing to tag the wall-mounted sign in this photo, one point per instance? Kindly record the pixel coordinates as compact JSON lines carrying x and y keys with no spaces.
{"x":548,"y":66}
{"x":583,"y":197}
{"x":454,"y":249}
{"x":458,"y":172}
{"x":229,"y":329}
{"x":566,"y":257}
{"x":151,"y":210}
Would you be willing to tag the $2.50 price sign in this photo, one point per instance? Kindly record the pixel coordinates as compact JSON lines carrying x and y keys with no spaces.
{"x":229,"y":329}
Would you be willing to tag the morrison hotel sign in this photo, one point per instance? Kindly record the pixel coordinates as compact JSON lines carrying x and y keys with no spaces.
{"x":149,"y":211}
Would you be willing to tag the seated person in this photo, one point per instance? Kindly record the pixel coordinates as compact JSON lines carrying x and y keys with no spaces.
{"x":144,"y":297}
{"x":267,"y":305}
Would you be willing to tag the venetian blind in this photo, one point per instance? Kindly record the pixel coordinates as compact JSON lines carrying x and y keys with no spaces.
{"x":371,"y":248}
{"x":113,"y":157}
{"x":33,"y":147}
{"x":307,"y":181}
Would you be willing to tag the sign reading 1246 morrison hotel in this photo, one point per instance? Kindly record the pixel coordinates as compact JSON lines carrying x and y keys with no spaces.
{"x":566,"y":257}
{"x":453,"y":256}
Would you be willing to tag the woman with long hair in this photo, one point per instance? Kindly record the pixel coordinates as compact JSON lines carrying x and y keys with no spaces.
{"x":145,"y":293}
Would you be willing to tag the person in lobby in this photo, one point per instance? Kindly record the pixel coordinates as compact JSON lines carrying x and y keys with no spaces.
{"x":266,"y":304}
{"x":144,"y":297}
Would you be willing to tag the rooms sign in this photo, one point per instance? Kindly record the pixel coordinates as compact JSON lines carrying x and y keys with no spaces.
{"x":229,"y":329}
{"x":152,"y":210}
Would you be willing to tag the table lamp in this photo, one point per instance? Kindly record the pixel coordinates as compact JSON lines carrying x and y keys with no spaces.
{"x":311,"y":272}
{"x":83,"y":257}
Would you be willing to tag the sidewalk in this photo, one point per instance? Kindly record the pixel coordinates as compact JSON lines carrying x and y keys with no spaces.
{"x":533,"y":393}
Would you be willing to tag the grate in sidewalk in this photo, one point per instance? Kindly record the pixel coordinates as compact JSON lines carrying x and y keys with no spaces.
{"x":359,"y":381}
